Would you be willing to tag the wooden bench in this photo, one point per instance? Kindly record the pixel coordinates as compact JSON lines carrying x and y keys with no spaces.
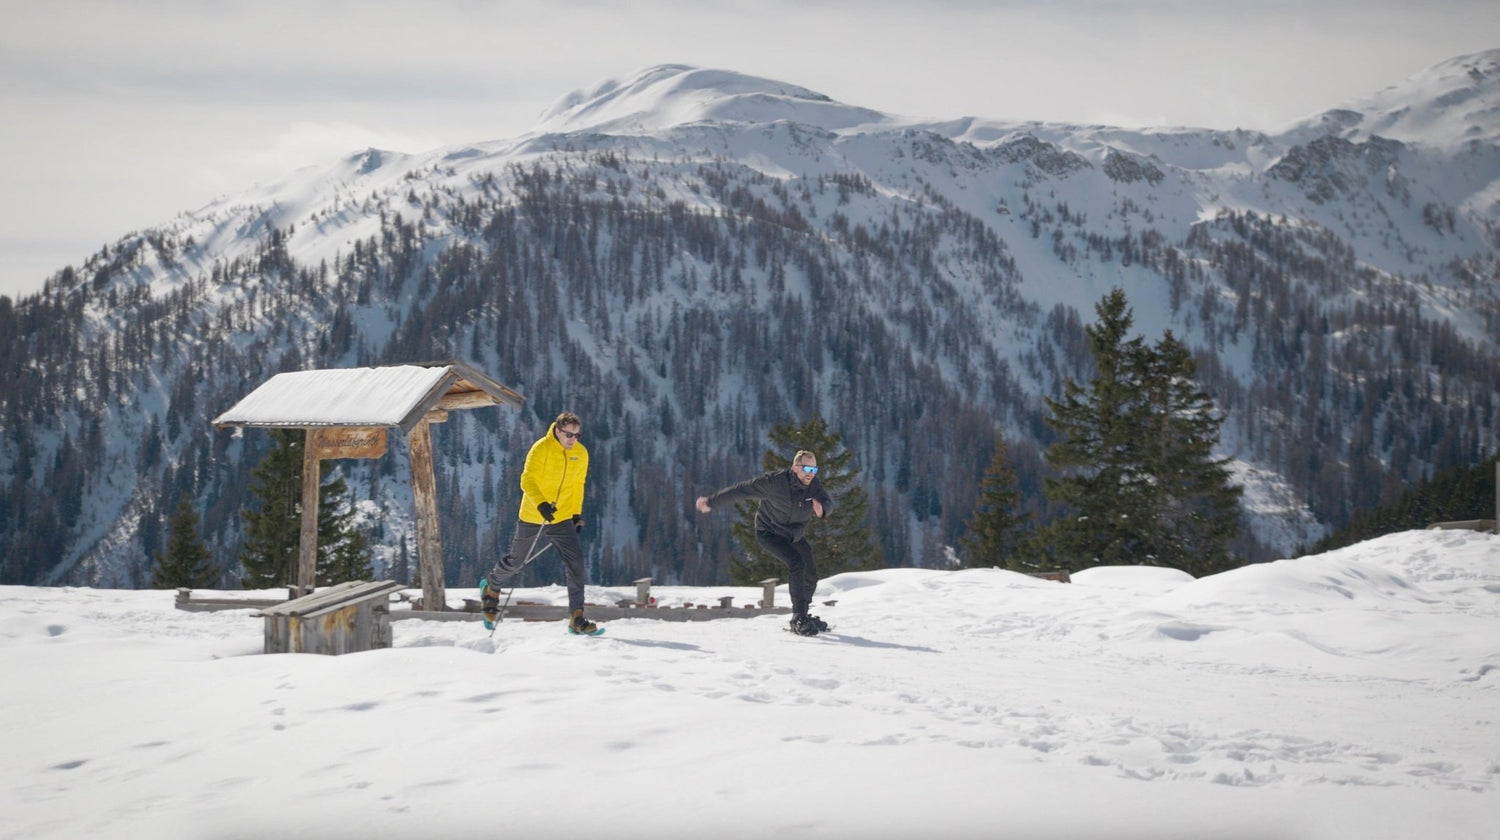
{"x":1060,"y":576}
{"x":643,"y":606}
{"x":1465,"y":525}
{"x":344,"y":618}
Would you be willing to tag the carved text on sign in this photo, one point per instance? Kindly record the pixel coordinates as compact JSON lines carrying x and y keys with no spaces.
{"x":348,"y":443}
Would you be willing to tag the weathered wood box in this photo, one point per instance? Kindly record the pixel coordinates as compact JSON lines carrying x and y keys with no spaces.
{"x":344,"y":618}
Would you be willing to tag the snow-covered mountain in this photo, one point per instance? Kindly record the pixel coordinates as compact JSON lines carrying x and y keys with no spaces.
{"x":689,"y":256}
{"x":1450,"y":106}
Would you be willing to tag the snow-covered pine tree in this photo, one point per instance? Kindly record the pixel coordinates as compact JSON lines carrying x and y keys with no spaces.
{"x":273,"y":533}
{"x":187,"y":561}
{"x":343,"y":551}
{"x":1191,"y":509}
{"x":1134,"y":453}
{"x":1093,"y":452}
{"x":995,"y":528}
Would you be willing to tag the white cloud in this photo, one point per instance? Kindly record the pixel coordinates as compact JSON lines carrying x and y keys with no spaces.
{"x":305,"y":143}
{"x":120,"y":115}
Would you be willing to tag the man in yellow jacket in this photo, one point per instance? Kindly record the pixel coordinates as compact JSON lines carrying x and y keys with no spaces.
{"x":551,"y":507}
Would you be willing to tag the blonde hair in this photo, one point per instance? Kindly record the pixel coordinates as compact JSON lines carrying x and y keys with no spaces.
{"x":801,"y":454}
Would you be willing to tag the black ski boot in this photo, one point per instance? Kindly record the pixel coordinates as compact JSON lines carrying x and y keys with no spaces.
{"x":804,"y":625}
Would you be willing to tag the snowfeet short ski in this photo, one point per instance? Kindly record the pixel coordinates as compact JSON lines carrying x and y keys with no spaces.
{"x":580,"y":626}
{"x":489,"y":604}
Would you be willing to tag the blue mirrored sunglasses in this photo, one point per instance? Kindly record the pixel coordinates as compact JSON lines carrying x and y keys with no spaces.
{"x":809,"y":469}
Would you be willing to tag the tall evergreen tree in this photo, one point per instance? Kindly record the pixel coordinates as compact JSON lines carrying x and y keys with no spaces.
{"x":1094,"y":452}
{"x":1191,"y":509}
{"x":273,"y":533}
{"x":841,"y":542}
{"x":187,"y":561}
{"x":1134,"y":453}
{"x":343,"y":551}
{"x":995,"y":528}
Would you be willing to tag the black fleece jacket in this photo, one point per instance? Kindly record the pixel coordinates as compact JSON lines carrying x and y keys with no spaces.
{"x":785,"y":504}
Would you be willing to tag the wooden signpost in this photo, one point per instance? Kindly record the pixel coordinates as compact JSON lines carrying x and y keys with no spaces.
{"x":424,"y":496}
{"x":346,"y":413}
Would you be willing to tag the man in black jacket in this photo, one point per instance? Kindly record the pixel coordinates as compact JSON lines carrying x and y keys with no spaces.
{"x":789,"y":499}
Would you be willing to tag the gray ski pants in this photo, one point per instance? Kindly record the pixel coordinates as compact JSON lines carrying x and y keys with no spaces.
{"x":561,"y":534}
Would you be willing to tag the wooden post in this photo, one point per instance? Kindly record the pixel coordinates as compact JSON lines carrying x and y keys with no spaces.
{"x":768,"y":592}
{"x":307,"y":554}
{"x":429,"y":538}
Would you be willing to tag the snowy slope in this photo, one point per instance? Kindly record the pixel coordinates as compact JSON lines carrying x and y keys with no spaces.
{"x":1449,"y":105}
{"x":1343,"y":695}
{"x":667,"y":96}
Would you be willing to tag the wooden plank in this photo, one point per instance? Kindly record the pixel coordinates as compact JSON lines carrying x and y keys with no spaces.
{"x":552,"y":613}
{"x":768,"y":592}
{"x":1464,"y":525}
{"x":1060,"y":576}
{"x":217,"y":604}
{"x":470,"y":378}
{"x":351,"y":590}
{"x":429,"y":537}
{"x":307,"y":555}
{"x":466,"y":399}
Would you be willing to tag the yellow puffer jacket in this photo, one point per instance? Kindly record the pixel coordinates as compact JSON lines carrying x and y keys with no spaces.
{"x":553,"y":474}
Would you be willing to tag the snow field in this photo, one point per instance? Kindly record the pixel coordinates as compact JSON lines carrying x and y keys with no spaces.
{"x":1347,"y":694}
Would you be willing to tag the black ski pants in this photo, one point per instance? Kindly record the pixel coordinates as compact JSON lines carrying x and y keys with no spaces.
{"x":802,"y":572}
{"x":527,"y":544}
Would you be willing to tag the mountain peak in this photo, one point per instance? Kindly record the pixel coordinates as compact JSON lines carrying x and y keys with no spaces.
{"x":670,"y":95}
{"x":1448,"y":104}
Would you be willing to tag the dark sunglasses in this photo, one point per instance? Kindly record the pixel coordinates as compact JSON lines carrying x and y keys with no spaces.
{"x":808,"y":468}
{"x":569,"y":435}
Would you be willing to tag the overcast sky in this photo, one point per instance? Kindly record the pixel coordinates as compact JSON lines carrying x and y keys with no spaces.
{"x":119,"y":115}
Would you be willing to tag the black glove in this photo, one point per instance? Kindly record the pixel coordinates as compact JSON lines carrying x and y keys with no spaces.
{"x":547,"y":510}
{"x":578,"y":522}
